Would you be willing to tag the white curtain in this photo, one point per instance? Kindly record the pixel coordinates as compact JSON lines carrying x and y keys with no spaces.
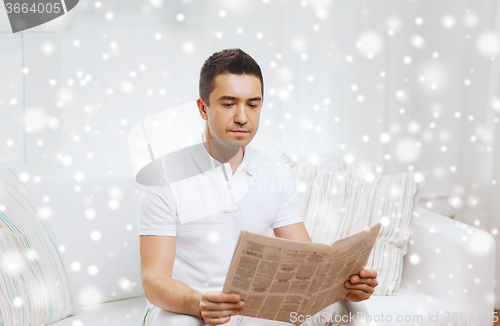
{"x":405,"y":85}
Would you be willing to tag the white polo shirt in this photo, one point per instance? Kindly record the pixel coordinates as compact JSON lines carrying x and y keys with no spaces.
{"x":263,"y":194}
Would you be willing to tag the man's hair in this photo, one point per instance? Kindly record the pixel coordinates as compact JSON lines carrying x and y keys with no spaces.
{"x":233,"y":61}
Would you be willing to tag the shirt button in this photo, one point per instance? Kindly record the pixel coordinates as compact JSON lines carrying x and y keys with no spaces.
{"x":229,"y":187}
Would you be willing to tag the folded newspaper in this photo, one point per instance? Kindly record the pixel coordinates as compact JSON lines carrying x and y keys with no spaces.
{"x":278,"y":278}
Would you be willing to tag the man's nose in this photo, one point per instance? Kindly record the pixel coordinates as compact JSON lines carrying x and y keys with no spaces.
{"x":240,"y":115}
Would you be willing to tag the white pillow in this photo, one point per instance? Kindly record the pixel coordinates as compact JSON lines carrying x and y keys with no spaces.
{"x":34,"y":286}
{"x":338,"y":204}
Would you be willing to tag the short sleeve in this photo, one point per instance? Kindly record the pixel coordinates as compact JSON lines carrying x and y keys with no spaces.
{"x":289,"y":211}
{"x":157,"y":211}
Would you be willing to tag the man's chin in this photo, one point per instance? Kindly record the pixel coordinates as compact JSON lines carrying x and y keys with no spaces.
{"x":241,"y":139}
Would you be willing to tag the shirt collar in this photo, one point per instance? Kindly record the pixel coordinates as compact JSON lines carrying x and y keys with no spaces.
{"x":249,"y":160}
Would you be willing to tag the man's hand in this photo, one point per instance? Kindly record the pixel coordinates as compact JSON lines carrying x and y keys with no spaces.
{"x":218,"y":307}
{"x":361,"y":286}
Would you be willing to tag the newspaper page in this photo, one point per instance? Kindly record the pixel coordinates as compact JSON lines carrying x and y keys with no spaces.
{"x":276,"y":276}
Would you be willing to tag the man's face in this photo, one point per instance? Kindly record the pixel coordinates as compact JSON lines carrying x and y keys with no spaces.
{"x":235,"y":104}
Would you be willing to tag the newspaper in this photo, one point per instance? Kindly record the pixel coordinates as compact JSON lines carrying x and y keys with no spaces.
{"x":276,"y":276}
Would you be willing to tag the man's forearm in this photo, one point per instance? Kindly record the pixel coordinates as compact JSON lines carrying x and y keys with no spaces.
{"x":172,"y":295}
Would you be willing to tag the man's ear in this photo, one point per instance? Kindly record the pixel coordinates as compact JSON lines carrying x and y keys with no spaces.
{"x":202,"y":108}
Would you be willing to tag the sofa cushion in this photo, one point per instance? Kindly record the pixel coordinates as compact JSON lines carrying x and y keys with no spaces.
{"x":410,"y":308}
{"x":34,"y":286}
{"x":94,"y":221}
{"x":407,"y":304}
{"x":338,"y":204}
{"x":126,"y":312}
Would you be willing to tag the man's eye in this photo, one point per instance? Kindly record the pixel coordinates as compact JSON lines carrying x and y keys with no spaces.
{"x":227,"y":105}
{"x":252,"y":105}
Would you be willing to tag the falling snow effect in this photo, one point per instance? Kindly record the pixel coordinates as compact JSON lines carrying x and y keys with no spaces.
{"x":411,"y":91}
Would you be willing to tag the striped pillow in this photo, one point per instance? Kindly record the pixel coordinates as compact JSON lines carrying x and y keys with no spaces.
{"x":338,"y":204}
{"x":34,"y":286}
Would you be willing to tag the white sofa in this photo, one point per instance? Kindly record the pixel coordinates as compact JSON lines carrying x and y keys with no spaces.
{"x":454,"y":273}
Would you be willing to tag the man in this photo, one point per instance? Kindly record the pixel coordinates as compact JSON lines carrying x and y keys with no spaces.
{"x":183,"y":265}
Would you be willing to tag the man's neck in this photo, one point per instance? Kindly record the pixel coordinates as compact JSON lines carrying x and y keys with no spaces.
{"x":236,"y":160}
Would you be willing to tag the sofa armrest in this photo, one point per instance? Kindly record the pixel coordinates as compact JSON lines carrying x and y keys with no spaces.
{"x":454,"y":262}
